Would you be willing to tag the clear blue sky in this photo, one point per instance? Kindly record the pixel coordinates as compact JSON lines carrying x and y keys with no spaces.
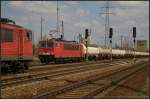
{"x":78,"y":15}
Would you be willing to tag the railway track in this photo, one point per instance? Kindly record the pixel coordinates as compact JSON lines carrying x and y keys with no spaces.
{"x":46,"y":75}
{"x":43,"y":67}
{"x":70,"y":63}
{"x":37,"y":69}
{"x":114,"y":80}
{"x":89,"y":87}
{"x":55,"y":66}
{"x":66,"y":65}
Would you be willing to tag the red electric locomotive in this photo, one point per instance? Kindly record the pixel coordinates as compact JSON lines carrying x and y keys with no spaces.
{"x":15,"y":45}
{"x":60,"y":50}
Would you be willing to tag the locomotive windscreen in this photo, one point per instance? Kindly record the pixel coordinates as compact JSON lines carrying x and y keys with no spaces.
{"x":46,"y":44}
{"x":6,"y":35}
{"x":50,"y":44}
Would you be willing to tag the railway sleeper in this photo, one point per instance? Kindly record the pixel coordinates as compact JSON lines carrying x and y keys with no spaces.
{"x":110,"y":84}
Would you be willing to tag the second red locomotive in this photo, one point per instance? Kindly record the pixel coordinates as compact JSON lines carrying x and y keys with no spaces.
{"x":60,"y":50}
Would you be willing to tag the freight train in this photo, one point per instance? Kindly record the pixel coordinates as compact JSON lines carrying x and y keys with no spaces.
{"x":16,"y":50}
{"x":61,"y":50}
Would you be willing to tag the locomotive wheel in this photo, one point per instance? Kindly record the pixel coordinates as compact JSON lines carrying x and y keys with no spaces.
{"x":42,"y":60}
{"x":26,"y":66}
{"x":5,"y":68}
{"x":56,"y":61}
{"x":16,"y":66}
{"x":13,"y":68}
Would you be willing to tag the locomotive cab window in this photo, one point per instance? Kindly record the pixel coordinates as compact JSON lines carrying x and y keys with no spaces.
{"x":28,"y":35}
{"x":71,"y":47}
{"x":6,"y":35}
{"x":50,"y":44}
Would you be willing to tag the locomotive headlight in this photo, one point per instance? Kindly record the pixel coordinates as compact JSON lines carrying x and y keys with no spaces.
{"x":47,"y":53}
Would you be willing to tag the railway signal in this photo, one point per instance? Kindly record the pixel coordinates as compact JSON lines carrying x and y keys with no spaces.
{"x":110,"y":33}
{"x":134,"y":32}
{"x":86,"y":33}
{"x":134,"y":36}
{"x":110,"y":37}
{"x":86,"y":44}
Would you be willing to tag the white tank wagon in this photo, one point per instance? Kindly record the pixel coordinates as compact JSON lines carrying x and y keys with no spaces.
{"x":141,"y":54}
{"x":147,"y":54}
{"x":104,"y":53}
{"x":91,"y":51}
{"x":132,"y":53}
{"x":137,"y":53}
{"x":128,"y":53}
{"x":122,"y":52}
{"x":95,"y":52}
{"x":117,"y":53}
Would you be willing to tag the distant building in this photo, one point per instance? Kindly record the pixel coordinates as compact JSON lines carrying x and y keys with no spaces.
{"x":141,"y":45}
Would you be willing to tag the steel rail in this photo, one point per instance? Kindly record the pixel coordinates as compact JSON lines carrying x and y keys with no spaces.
{"x":53,"y":74}
{"x":79,"y":83}
{"x":113,"y":82}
